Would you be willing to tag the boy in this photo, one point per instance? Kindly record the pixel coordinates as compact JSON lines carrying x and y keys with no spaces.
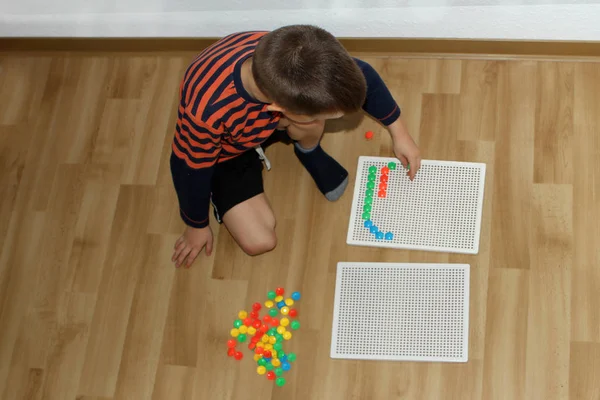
{"x":234,"y":96}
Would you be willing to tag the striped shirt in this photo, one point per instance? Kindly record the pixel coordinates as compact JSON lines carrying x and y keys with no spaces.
{"x":217,"y":119}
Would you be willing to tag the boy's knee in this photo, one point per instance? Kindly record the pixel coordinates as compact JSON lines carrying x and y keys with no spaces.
{"x":260,"y":244}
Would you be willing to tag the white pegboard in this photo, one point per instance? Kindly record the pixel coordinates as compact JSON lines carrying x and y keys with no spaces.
{"x":440,"y":210}
{"x":402,"y":312}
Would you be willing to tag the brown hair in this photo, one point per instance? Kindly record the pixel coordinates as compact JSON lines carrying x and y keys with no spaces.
{"x":306,"y":70}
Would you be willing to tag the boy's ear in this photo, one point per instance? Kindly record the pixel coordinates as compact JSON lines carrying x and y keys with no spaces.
{"x":275,"y":108}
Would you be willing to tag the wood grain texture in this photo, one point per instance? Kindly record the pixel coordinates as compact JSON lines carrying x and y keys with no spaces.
{"x":91,"y":307}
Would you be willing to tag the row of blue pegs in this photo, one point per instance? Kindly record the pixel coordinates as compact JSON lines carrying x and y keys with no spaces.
{"x":375,"y":231}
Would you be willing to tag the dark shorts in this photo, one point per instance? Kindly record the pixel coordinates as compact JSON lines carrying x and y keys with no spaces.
{"x":235,"y":181}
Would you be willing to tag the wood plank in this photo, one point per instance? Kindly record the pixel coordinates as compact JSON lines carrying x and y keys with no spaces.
{"x":585,"y":324}
{"x":222,"y":300}
{"x":120,"y":123}
{"x":53,"y":134}
{"x":127,"y":254}
{"x":92,"y":232}
{"x":180,"y":339}
{"x":160,"y":104}
{"x":44,"y":331}
{"x":553,"y":155}
{"x":513,"y":167}
{"x":141,"y":350}
{"x":29,"y":388}
{"x":18,"y":264}
{"x":443,"y":76}
{"x":506,"y":335}
{"x":22,"y":80}
{"x":584,"y":368}
{"x":68,"y":343}
{"x":82,"y":121}
{"x":130,"y":76}
{"x":549,"y":313}
{"x":63,"y":212}
{"x":174,"y":382}
{"x":439,"y":126}
{"x":478,"y":117}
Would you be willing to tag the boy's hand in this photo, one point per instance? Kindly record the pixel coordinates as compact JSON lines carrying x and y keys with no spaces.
{"x":405,"y":148}
{"x":190,"y":244}
{"x":407,"y":152}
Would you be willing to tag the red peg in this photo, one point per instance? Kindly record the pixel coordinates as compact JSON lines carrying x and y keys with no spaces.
{"x":256,"y":306}
{"x":275,"y":322}
{"x":231,"y":352}
{"x":267,"y":354}
{"x":279,"y":291}
{"x":254,"y":315}
{"x":256,"y":324}
{"x":239,"y":355}
{"x":264,"y":328}
{"x":252,"y":346}
{"x":383,"y":186}
{"x":267,"y":319}
{"x":260,"y":350}
{"x":293,"y":313}
{"x":231,"y":343}
{"x":381,"y":193}
{"x":248,"y":321}
{"x":384,"y":178}
{"x":271,"y":375}
{"x":385,"y":170}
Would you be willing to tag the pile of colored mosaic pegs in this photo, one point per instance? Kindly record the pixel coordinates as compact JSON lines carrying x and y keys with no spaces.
{"x":267,"y":335}
{"x":368,"y":201}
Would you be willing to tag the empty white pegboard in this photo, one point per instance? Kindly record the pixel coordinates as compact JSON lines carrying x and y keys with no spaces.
{"x":440,"y":210}
{"x":403,"y":312}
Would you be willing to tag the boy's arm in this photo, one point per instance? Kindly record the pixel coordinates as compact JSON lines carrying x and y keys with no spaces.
{"x":380,"y":104}
{"x":196,"y":149}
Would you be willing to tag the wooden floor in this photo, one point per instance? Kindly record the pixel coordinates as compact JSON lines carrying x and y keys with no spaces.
{"x":92,"y":308}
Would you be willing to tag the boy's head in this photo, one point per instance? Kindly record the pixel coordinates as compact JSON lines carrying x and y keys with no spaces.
{"x":307,"y":74}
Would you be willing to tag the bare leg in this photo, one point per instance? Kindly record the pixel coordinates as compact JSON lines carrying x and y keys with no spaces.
{"x":307,"y":136}
{"x":252,"y":225}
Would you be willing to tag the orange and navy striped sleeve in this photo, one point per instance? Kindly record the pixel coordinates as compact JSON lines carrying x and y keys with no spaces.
{"x":196,"y":149}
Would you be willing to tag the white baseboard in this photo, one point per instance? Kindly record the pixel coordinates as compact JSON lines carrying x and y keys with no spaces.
{"x":542,"y":22}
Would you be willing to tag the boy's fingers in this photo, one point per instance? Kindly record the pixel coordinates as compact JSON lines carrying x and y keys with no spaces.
{"x":403,"y":161}
{"x":413,"y":170}
{"x":181,"y":246}
{"x":182,"y":256}
{"x":178,"y":250}
{"x":178,"y":242}
{"x":415,"y":165}
{"x":175,"y":255}
{"x":191,"y":257}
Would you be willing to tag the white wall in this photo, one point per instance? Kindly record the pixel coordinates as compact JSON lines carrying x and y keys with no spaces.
{"x":480,"y":19}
